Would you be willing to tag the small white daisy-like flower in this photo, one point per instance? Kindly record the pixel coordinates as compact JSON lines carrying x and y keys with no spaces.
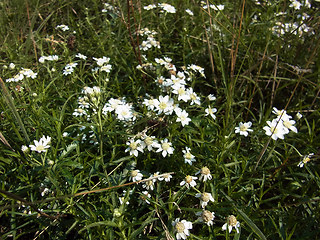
{"x":144,"y":196}
{"x":165,"y":177}
{"x":305,"y":160}
{"x":210,"y":111}
{"x":135,"y":175}
{"x":42,"y":145}
{"x":182,"y":117}
{"x":289,"y":125}
{"x":189,"y":181}
{"x":205,"y":198}
{"x":124,"y":112}
{"x":167,"y":7}
{"x":195,"y":99}
{"x":134,"y":147}
{"x":189,"y":12}
{"x":149,"y":7}
{"x":62,"y":27}
{"x":275,"y":129}
{"x":211,"y":97}
{"x":24,"y":148}
{"x":188,"y":157}
{"x":151,"y":103}
{"x":182,"y":228}
{"x":81,"y":56}
{"x":165,"y":147}
{"x":150,"y":142}
{"x":232,"y":222}
{"x":149,"y":185}
{"x":205,"y":174}
{"x":206,"y":216}
{"x":281,"y":113}
{"x":244,"y":128}
{"x":165,"y":105}
{"x":101,"y":61}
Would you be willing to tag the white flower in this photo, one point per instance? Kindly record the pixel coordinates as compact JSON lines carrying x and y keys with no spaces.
{"x":305,"y":160}
{"x":135,"y":175}
{"x":193,"y":96}
{"x":150,"y":142}
{"x":62,"y":27}
{"x":144,"y":196}
{"x":189,"y":12}
{"x":289,"y":125}
{"x":81,"y":56}
{"x":231,"y":223}
{"x":275,"y":129}
{"x":243,"y":128}
{"x":165,"y":105}
{"x":124,"y":112}
{"x":165,"y":147}
{"x":211,"y":97}
{"x":149,"y":7}
{"x":182,"y":117}
{"x":295,"y":4}
{"x":42,"y":145}
{"x":205,"y":174}
{"x":151,"y":103}
{"x":106,"y":68}
{"x":101,"y":61}
{"x":12,"y":65}
{"x":204,"y":198}
{"x":206,"y":217}
{"x":210,"y":111}
{"x":167,"y":7}
{"x":149,"y":185}
{"x":165,"y":177}
{"x":111,"y":105}
{"x":188,"y":157}
{"x":182,"y":228}
{"x":24,"y":148}
{"x":281,"y":113}
{"x":189,"y":181}
{"x":134,"y":147}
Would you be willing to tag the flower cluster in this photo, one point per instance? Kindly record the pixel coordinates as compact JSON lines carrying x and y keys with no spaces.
{"x":280,"y":126}
{"x":165,"y":7}
{"x":42,"y":59}
{"x":150,"y":41}
{"x":69,"y":68}
{"x":24,"y":72}
{"x":103,"y":64}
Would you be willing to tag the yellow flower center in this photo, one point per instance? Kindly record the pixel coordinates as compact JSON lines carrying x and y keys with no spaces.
{"x":180,"y":227}
{"x":165,"y":146}
{"x":243,"y":128}
{"x":232,"y":221}
{"x":205,"y":197}
{"x":134,"y":173}
{"x":188,"y":155}
{"x":148,"y":140}
{"x":162,"y":105}
{"x":39,"y":148}
{"x":207,"y":216}
{"x":133,"y":145}
{"x":188,"y":179}
{"x":205,"y":171}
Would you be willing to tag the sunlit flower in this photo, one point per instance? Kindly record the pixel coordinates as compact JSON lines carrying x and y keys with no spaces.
{"x":243,"y":128}
{"x":211,"y":97}
{"x":189,"y":12}
{"x":182,"y":228}
{"x":205,"y":198}
{"x":183,"y":117}
{"x":24,"y":148}
{"x":188,"y":157}
{"x":151,"y":103}
{"x":149,"y":7}
{"x":206,"y":217}
{"x":42,"y":145}
{"x":275,"y":129}
{"x":62,"y":27}
{"x":189,"y":181}
{"x":305,"y":160}
{"x":124,"y":112}
{"x":134,"y":147}
{"x":167,"y":7}
{"x":231,"y":223}
{"x":165,"y":105}
{"x":287,"y":123}
{"x":81,"y":56}
{"x":165,"y":148}
{"x":150,"y":142}
{"x":101,"y":61}
{"x":165,"y":177}
{"x":149,"y":185}
{"x":205,"y":174}
{"x":210,"y":111}
{"x":135,"y":175}
{"x":195,"y":99}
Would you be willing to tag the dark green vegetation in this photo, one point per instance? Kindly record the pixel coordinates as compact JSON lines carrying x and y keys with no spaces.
{"x":249,"y":69}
